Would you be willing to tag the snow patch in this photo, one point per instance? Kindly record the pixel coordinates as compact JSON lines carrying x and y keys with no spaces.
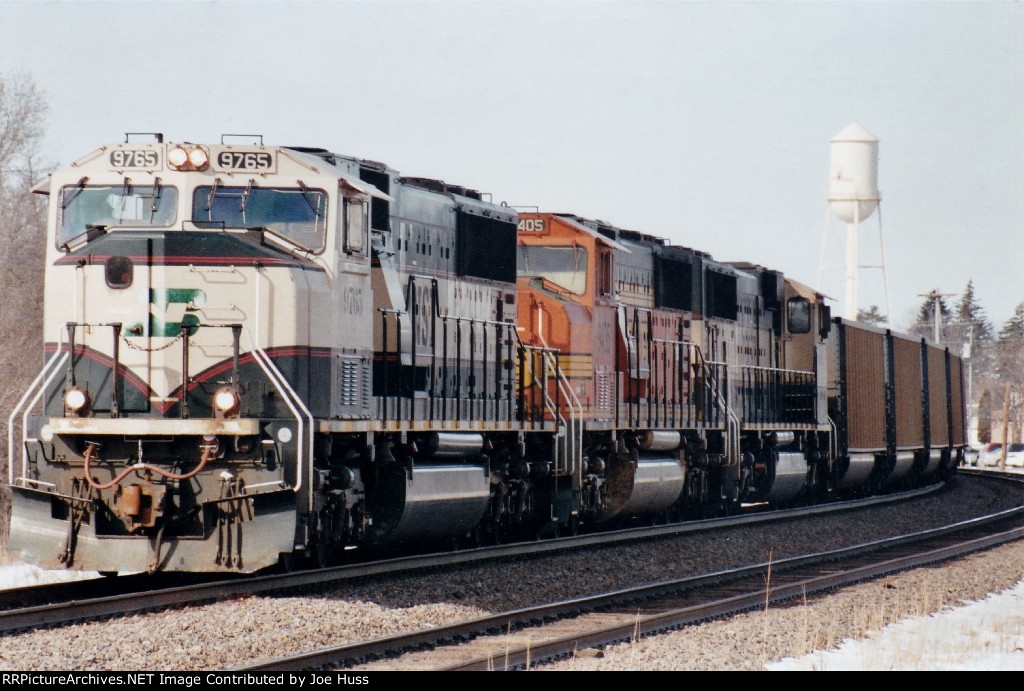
{"x":984,"y":635}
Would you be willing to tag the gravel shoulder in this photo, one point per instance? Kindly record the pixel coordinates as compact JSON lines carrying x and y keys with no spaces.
{"x":751,"y":640}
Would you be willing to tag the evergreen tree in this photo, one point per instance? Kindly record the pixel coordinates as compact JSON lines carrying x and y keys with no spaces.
{"x":968,"y":311}
{"x":872,"y":315}
{"x":972,"y":332}
{"x":1009,"y":366}
{"x":1013,"y":329}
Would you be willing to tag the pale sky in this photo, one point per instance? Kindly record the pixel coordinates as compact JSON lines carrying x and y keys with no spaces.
{"x":707,"y":123}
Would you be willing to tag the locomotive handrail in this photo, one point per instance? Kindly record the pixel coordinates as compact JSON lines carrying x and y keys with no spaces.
{"x":575,"y":431}
{"x":781,"y":370}
{"x":475,"y":327}
{"x":288,"y":395}
{"x":732,"y":432}
{"x":710,"y":381}
{"x":286,"y":391}
{"x":57,"y":360}
{"x":527,"y":369}
{"x":833,"y":440}
{"x":28,"y":409}
{"x":777,"y":395}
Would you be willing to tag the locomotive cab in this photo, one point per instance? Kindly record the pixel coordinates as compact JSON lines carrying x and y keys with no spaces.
{"x":180,"y":386}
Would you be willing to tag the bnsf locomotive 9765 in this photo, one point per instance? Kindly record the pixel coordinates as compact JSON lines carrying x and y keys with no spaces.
{"x":254,"y":353}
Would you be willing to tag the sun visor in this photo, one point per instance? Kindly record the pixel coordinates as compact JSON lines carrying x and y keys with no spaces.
{"x":594,"y":234}
{"x":43,"y":186}
{"x":358,"y":185}
{"x":806,"y":291}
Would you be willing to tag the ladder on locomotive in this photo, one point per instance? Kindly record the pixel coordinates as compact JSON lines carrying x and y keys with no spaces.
{"x":568,"y":415}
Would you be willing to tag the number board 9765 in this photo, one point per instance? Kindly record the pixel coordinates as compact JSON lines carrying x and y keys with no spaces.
{"x":148,"y":159}
{"x":230,"y":160}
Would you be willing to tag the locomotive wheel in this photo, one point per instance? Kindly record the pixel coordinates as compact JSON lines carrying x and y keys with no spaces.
{"x":285,"y":562}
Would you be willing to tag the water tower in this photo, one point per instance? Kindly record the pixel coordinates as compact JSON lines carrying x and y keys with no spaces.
{"x":853,"y":197}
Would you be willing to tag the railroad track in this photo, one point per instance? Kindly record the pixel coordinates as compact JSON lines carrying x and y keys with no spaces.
{"x":520,"y":638}
{"x":56,"y":604}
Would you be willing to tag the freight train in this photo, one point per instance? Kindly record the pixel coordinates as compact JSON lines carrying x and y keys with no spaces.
{"x":255,"y":353}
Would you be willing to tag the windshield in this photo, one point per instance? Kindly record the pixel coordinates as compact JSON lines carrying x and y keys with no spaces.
{"x":564,"y":266}
{"x":297,"y":214}
{"x":106,"y":206}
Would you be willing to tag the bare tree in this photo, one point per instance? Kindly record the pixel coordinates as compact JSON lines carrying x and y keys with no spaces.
{"x":23,"y":111}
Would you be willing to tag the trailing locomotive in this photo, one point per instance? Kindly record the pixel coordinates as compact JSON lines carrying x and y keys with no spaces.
{"x":256,"y":352}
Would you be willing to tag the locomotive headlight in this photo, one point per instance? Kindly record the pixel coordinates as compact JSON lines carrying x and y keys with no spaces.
{"x":177,"y":157}
{"x":195,"y":158}
{"x":198,"y":158}
{"x":227,"y":400}
{"x":76,"y":400}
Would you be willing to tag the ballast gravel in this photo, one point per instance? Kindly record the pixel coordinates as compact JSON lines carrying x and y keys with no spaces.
{"x":242,"y":631}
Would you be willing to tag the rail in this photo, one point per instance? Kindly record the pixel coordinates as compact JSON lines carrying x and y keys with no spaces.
{"x":23,"y":607}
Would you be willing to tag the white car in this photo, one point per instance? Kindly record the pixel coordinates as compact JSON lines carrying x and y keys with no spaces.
{"x":1015,"y":456}
{"x":990,"y":456}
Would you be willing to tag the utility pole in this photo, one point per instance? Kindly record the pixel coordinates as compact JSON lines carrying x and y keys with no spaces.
{"x":935,"y":296}
{"x":1006,"y":428}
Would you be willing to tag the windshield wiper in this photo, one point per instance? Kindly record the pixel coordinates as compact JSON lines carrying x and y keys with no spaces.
{"x":245,"y":198}
{"x":92,"y":231}
{"x":74,"y":193}
{"x":213,"y":191}
{"x":308,"y":196}
{"x":157,"y":191}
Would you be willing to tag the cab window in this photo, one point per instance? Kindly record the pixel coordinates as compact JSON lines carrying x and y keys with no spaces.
{"x":799,"y":320}
{"x":100,"y":207}
{"x":299,"y":215}
{"x":566,"y":267}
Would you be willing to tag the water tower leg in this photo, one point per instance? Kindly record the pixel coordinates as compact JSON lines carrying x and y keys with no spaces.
{"x":821,"y":256}
{"x":885,"y":277}
{"x":852,"y":260}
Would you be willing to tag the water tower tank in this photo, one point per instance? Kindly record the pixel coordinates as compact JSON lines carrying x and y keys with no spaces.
{"x":853,"y":174}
